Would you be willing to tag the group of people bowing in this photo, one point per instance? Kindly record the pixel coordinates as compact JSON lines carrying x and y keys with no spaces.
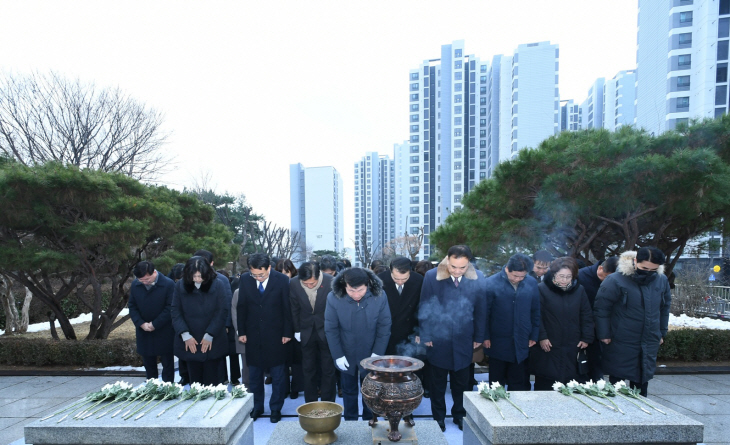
{"x":533,"y":317}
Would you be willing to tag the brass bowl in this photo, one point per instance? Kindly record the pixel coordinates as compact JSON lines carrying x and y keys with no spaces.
{"x":320,"y":430}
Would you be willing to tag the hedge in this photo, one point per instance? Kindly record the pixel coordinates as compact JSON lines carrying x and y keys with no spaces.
{"x":19,"y":351}
{"x":696,"y":345}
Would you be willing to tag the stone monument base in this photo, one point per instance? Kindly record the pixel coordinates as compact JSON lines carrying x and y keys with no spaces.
{"x":427,"y":432}
{"x":558,"y":419}
{"x":232,"y":426}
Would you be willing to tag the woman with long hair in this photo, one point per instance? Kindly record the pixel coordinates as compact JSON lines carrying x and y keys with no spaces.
{"x":199,"y":311}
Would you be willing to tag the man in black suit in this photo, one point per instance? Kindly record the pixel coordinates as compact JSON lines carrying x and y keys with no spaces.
{"x":308,"y":295}
{"x":265,"y":326}
{"x":403,"y":289}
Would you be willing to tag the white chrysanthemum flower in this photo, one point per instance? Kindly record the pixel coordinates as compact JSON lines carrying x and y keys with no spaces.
{"x":482,"y":386}
{"x":196,"y":385}
{"x":572,"y":384}
{"x":620,"y":384}
{"x":590,"y":382}
{"x":106,"y":387}
{"x":601,"y":384}
{"x":557,"y":386}
{"x":496,"y":385}
{"x":221,"y":387}
{"x":242,"y":387}
{"x":179,"y":386}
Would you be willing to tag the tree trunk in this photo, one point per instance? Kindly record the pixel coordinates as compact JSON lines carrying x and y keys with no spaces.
{"x":12,"y":323}
{"x":52,"y":321}
{"x":24,"y":318}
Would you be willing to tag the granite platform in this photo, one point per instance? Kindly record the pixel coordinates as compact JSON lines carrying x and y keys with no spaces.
{"x":558,"y":419}
{"x":357,"y":433}
{"x":232,"y":426}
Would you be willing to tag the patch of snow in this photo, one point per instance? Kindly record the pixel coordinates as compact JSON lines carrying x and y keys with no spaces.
{"x":83,"y":318}
{"x":116,"y":368}
{"x":683,"y":321}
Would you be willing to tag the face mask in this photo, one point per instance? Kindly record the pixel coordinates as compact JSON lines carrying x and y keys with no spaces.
{"x":564,"y":287}
{"x":197,"y":285}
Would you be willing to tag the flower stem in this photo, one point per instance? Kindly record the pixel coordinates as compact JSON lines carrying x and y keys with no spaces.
{"x":637,"y":405}
{"x":211,"y":407}
{"x":589,"y":406}
{"x":642,"y":400}
{"x":221,"y":408}
{"x":600,"y":403}
{"x":518,"y":408}
{"x":138,"y":409}
{"x":186,"y":409}
{"x":84,"y":401}
{"x":497,"y":406}
{"x":611,"y":402}
{"x":171,"y":406}
{"x":151,"y":407}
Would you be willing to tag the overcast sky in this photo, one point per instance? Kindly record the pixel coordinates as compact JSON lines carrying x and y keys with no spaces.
{"x":249,"y":87}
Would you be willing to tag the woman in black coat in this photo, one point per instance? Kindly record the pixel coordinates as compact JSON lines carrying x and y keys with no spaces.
{"x":199,"y":311}
{"x":566,"y":326}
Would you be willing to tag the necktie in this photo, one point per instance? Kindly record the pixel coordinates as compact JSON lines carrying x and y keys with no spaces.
{"x":261,"y":288}
{"x":456,"y":282}
{"x":400,"y":289}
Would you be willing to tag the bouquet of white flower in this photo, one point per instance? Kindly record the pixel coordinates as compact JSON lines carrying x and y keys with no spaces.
{"x":166,"y":391}
{"x":186,"y":395}
{"x":236,"y":393}
{"x":203,"y":393}
{"x":627,"y":393}
{"x":138,"y":394}
{"x":568,"y":391}
{"x":586,"y":390}
{"x":599,"y":389}
{"x":219,"y":392}
{"x":496,"y":392}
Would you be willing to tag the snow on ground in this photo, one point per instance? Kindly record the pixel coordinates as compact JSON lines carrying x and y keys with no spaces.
{"x":83,"y":318}
{"x":684,"y":321}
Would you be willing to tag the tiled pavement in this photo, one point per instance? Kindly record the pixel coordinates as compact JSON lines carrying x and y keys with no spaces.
{"x":704,"y":397}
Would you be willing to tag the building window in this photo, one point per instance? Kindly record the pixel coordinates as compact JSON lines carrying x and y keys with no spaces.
{"x":457,"y":198}
{"x":457,"y":165}
{"x":414,"y":86}
{"x":482,"y":133}
{"x":414,"y":76}
{"x":482,"y":122}
{"x":457,"y":143}
{"x":457,"y":109}
{"x":414,"y":169}
{"x":483,"y":68}
{"x":457,"y":99}
{"x":414,"y":97}
{"x":457,"y":64}
{"x":482,"y":165}
{"x":457,"y":120}
{"x":414,"y":159}
{"x":457,"y":176}
{"x":721,"y":95}
{"x":457,"y":75}
{"x":414,"y":179}
{"x":414,"y":118}
{"x":482,"y":112}
{"x":723,"y":28}
{"x":457,"y":132}
{"x":414,"y":189}
{"x":724,"y":7}
{"x":482,"y":175}
{"x":414,"y":138}
{"x":457,"y":154}
{"x":483,"y":79}
{"x":685,"y":17}
{"x":457,"y":52}
{"x":682,"y":81}
{"x":685,"y":60}
{"x":414,"y":210}
{"x":685,"y":39}
{"x":414,"y":220}
{"x":414,"y":148}
{"x":457,"y":187}
{"x":722,"y":49}
{"x":414,"y":107}
{"x":482,"y":144}
{"x":457,"y":86}
{"x":683,"y":102}
{"x":721,"y":74}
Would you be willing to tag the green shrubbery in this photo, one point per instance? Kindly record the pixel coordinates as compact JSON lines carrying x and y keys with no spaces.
{"x":21,"y":351}
{"x":696,"y":345}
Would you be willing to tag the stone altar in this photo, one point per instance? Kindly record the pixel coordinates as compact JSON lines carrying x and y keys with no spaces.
{"x":357,"y":433}
{"x":558,"y":419}
{"x":232,"y":426}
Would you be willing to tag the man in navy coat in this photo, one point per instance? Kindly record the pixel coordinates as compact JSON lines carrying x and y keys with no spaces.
{"x":265,"y":326}
{"x":150,"y":298}
{"x":513,"y":322}
{"x":451,"y":319}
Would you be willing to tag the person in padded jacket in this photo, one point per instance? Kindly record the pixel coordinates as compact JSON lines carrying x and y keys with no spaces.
{"x":632,"y":316}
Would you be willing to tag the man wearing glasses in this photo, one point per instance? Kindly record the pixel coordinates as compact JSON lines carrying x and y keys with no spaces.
{"x":265,"y":326}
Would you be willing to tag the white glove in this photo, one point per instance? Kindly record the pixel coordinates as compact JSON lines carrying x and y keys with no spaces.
{"x":342,"y":363}
{"x":298,"y":336}
{"x":374,"y":355}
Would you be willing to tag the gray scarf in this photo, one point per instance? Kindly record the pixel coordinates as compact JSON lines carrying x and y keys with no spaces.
{"x":312,"y":293}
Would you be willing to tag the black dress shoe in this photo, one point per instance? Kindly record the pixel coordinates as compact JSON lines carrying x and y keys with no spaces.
{"x":275,"y":416}
{"x":459,"y":421}
{"x":442,"y":425}
{"x":339,"y":392}
{"x":183,"y":381}
{"x":256,"y":413}
{"x":236,"y":382}
{"x":294,"y":395}
{"x":268,"y":380}
{"x":426,"y":393}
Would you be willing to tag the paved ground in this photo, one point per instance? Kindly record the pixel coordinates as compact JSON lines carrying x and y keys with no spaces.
{"x":705,"y":398}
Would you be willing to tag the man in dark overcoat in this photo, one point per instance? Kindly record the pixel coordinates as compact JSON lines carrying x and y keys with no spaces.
{"x":265,"y":326}
{"x":150,"y":298}
{"x":308,"y":295}
{"x":451,"y":321}
{"x":403,"y":289}
{"x":513,"y":322}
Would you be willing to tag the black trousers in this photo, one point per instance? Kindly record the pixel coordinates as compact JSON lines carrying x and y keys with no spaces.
{"x":459,"y":383}
{"x":168,"y":366}
{"x":642,"y":387}
{"x":509,"y":374}
{"x":316,"y":354}
{"x":593,"y":352}
{"x":205,"y":372}
{"x":235,"y":365}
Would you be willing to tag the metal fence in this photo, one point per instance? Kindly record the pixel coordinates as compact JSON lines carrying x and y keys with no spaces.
{"x":715,"y":304}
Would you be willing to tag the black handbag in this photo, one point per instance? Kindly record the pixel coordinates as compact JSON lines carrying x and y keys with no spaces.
{"x":582,"y":362}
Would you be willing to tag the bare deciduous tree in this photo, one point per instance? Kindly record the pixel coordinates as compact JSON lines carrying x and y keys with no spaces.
{"x":406,"y":245}
{"x":51,"y":118}
{"x":364,"y":250}
{"x":275,"y":241}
